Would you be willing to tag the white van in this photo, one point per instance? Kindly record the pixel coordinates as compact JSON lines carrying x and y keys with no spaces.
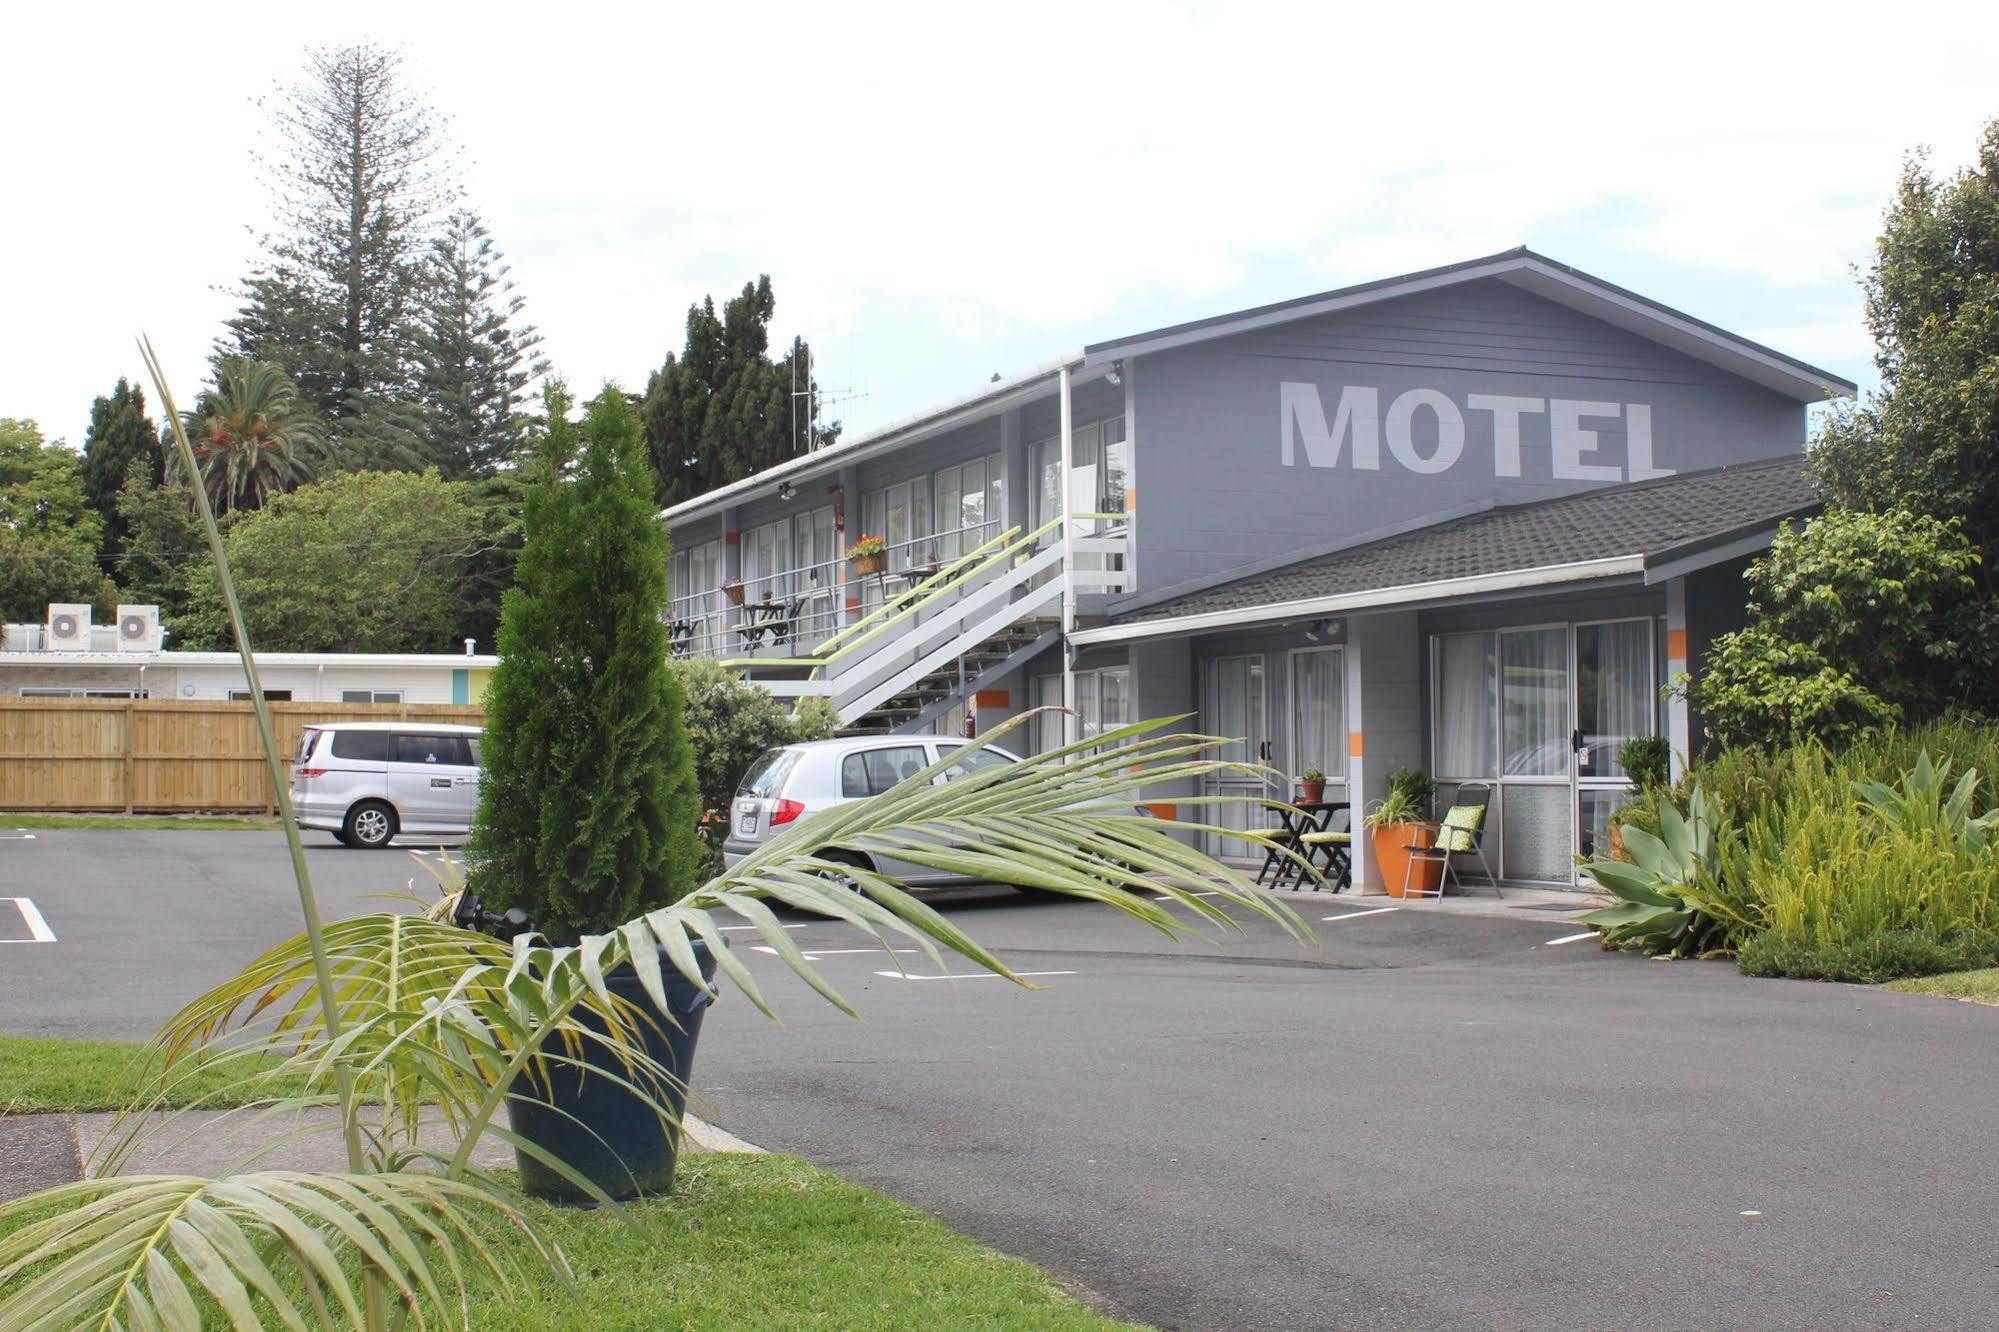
{"x":365,"y":782}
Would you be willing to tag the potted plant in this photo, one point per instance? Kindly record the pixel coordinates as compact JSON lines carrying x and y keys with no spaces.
{"x":868,"y":556}
{"x":1395,"y":823}
{"x":1313,"y":787}
{"x":589,"y":805}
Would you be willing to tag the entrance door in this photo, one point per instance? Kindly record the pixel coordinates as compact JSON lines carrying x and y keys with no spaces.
{"x":1614,"y":693}
{"x":1232,"y":705}
{"x":1537,"y":803}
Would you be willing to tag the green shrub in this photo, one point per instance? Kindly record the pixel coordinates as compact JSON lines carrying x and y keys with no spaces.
{"x":731,"y":721}
{"x":1647,"y":760}
{"x":588,"y":806}
{"x":1869,"y":863}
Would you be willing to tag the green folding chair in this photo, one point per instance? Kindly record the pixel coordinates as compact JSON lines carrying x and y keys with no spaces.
{"x":1461,"y":832}
{"x":1332,"y":849}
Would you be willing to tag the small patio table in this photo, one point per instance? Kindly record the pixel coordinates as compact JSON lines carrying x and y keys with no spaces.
{"x":763,"y":618}
{"x":1302,"y":817}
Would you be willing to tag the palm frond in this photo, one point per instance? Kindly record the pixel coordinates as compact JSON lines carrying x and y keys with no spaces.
{"x":263,"y":1249}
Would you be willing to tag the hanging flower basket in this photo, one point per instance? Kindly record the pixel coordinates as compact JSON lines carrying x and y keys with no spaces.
{"x":733,"y":590}
{"x":868,"y":556}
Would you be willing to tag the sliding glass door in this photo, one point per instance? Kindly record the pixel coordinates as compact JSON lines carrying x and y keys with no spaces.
{"x":1232,"y":705}
{"x":1540,"y":711}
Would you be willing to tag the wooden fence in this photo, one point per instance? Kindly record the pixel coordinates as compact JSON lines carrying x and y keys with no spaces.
{"x":165,"y":756}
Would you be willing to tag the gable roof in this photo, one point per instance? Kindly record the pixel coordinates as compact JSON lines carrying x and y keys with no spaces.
{"x":1645,"y":532}
{"x":1531,"y":272}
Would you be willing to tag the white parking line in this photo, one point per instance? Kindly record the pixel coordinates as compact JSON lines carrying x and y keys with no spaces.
{"x":17,"y":836}
{"x":972,"y":975}
{"x":31,"y":916}
{"x":1356,"y":915}
{"x":814,"y":954}
{"x":731,"y":929}
{"x":1572,"y":938}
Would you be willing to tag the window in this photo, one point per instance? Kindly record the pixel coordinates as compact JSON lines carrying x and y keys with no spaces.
{"x":371,"y":696}
{"x":766,"y":776}
{"x":1467,"y":667}
{"x":873,"y":771}
{"x":1318,"y":712}
{"x":270,"y":695}
{"x":975,"y":760}
{"x":51,"y":693}
{"x":364,"y":746}
{"x":443,"y":750}
{"x":1103,"y":703}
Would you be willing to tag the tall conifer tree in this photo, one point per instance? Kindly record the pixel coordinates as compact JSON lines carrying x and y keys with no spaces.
{"x":119,"y":437}
{"x":476,"y":357}
{"x":589,"y":802}
{"x":722,"y":409}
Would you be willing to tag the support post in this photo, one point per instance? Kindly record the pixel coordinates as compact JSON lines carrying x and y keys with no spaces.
{"x":1679,"y":724}
{"x":1069,"y":727}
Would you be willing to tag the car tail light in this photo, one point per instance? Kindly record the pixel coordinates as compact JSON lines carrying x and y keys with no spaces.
{"x":309,"y":772}
{"x":784,"y":811}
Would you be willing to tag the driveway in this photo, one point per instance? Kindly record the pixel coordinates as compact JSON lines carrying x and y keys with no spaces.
{"x":1426,"y":1122}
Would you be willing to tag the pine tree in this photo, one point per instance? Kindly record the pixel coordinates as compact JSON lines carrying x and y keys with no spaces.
{"x":119,"y":437}
{"x":722,"y":409}
{"x":476,"y":358}
{"x":589,"y":800}
{"x":358,"y":186}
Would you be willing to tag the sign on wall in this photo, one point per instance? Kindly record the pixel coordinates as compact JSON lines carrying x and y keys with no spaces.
{"x":1424,"y":431}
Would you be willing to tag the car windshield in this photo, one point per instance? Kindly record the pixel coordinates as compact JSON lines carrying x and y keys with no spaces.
{"x":306,"y":739}
{"x":767,"y":774}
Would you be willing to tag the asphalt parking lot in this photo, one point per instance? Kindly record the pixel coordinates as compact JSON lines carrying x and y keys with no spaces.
{"x":1425,"y":1122}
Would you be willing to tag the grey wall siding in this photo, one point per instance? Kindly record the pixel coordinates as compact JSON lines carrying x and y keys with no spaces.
{"x":1717,"y":603}
{"x":1089,"y":402}
{"x":1213,"y":427}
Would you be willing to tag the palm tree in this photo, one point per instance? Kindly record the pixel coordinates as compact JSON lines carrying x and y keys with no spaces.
{"x":252,"y":436}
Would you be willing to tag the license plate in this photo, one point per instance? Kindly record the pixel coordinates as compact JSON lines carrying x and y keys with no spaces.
{"x":746,"y":823}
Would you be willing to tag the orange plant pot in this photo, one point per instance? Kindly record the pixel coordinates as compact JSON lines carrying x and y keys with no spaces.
{"x":1391,"y":855}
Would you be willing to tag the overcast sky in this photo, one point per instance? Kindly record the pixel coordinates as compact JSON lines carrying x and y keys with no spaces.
{"x":942,"y":191}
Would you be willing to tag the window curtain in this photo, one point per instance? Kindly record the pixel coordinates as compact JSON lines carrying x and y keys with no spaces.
{"x":1621,"y":696}
{"x":1318,"y":692}
{"x":1535,"y":702}
{"x":1466,"y":683}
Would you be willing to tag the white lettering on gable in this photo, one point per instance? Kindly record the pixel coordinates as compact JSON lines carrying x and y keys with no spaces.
{"x":1302,"y":415}
{"x":1358,"y":419}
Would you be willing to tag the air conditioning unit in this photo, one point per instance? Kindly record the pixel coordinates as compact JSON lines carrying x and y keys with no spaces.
{"x":69,"y":628}
{"x":139,"y":629}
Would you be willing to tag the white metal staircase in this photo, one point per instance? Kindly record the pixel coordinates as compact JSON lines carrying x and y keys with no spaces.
{"x":971,"y":623}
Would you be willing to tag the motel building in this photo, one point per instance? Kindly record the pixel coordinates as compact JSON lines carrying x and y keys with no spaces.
{"x":1470,"y":519}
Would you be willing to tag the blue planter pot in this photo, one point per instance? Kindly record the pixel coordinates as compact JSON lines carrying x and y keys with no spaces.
{"x":593,"y":1123}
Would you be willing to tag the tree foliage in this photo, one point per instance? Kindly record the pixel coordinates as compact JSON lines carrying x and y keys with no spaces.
{"x":358,"y":182}
{"x":1858,"y":620}
{"x":361,"y":562}
{"x":721,"y":409}
{"x":163,"y":546}
{"x":589,"y":803}
{"x":252,"y":436}
{"x":120,"y":439}
{"x":1929,"y":441}
{"x":41,"y":486}
{"x":476,"y":358}
{"x":731,"y":721}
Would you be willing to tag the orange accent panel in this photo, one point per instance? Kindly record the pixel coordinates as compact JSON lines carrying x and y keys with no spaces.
{"x":853,"y":603}
{"x":1163,"y":810}
{"x":1131,"y":499}
{"x":1354,"y":746}
{"x":992,"y":698}
{"x":732,"y":538}
{"x":1676,"y":645}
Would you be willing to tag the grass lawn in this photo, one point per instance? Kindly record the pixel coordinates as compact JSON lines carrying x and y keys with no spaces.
{"x":138,"y":822}
{"x":772,"y":1242}
{"x":41,"y":1075}
{"x":1980,"y":987}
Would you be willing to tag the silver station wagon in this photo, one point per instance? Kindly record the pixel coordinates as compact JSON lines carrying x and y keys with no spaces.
{"x":786,"y":784}
{"x":367,"y":782}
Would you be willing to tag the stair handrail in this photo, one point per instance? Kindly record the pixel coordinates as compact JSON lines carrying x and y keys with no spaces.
{"x":943,"y":580}
{"x":920,"y":598}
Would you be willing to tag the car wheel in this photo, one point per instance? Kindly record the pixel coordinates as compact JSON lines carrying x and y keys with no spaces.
{"x":340,"y":836}
{"x":370,"y":825}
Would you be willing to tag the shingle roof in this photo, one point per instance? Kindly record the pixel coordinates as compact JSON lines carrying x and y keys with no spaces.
{"x":1653,"y":519}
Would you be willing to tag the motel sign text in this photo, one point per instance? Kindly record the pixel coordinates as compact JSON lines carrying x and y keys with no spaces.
{"x":1359,"y":429}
